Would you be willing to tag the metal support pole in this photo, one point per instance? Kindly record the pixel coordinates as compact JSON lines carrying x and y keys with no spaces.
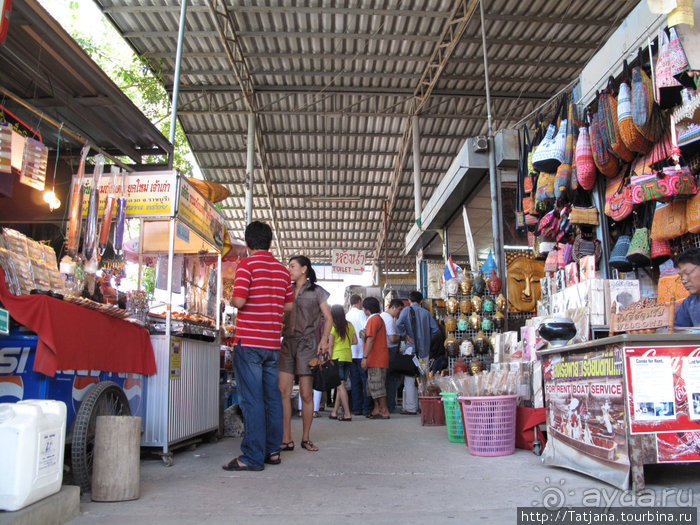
{"x":250,"y":169}
{"x":176,"y":80}
{"x":417,"y":189}
{"x":386,"y":241}
{"x":496,"y":206}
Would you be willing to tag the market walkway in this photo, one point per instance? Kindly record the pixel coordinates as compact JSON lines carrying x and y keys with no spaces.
{"x":367,"y":471}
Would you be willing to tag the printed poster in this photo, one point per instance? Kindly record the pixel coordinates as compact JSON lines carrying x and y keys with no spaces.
{"x":663,"y":389}
{"x":585,"y":402}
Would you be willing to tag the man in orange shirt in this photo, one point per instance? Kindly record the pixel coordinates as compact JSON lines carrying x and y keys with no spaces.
{"x":375,"y":358}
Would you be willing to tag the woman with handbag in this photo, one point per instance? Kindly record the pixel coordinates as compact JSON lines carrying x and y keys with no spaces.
{"x":299,"y":346}
{"x":342,"y":337}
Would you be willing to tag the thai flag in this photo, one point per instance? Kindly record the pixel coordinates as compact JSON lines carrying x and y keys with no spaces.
{"x":451,"y":270}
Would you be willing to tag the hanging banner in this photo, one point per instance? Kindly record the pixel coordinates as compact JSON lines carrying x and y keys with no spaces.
{"x":147,"y":194}
{"x":584,"y":397}
{"x":348,"y":262}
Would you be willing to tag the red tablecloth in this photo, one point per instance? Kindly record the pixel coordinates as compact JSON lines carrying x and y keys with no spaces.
{"x":72,"y":337}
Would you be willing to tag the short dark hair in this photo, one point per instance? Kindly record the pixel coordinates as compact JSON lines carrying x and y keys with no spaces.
{"x":371,"y":304}
{"x":415,"y":296}
{"x":258,"y":235}
{"x":395,"y":303}
{"x":691,"y":255}
{"x":354,"y":299}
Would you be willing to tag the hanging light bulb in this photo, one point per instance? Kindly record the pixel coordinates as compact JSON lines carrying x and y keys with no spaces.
{"x":51,"y":199}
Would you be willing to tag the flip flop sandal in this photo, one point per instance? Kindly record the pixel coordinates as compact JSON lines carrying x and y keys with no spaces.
{"x":287,"y":446}
{"x":332,"y":417}
{"x":308,"y":445}
{"x":344,"y":419}
{"x":235,"y":465}
{"x":270,"y":461}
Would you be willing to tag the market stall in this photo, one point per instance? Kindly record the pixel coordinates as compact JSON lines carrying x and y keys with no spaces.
{"x":183,"y":234}
{"x":622,"y":402}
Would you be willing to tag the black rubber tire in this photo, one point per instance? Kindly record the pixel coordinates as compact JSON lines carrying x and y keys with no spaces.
{"x":104,"y":399}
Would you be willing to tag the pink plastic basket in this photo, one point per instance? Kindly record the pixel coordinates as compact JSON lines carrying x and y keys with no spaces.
{"x":489,"y":424}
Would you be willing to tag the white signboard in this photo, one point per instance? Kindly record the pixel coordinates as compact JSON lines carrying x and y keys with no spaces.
{"x":348,"y":262}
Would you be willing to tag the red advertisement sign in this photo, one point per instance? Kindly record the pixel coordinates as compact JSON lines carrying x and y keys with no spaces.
{"x":677,"y":447}
{"x":663,"y":390}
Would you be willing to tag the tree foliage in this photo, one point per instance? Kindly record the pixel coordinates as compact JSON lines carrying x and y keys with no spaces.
{"x":138,"y":78}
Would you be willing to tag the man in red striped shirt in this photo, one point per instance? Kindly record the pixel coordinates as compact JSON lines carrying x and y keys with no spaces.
{"x":262,"y":292}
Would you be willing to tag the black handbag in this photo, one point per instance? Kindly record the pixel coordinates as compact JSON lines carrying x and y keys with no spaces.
{"x":325,"y":375}
{"x":403,"y":363}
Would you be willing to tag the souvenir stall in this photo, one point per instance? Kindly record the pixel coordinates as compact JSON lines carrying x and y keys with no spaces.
{"x":610,"y":199}
{"x":182,"y":233}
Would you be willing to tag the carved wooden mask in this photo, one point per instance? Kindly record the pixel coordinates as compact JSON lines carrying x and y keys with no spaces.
{"x":524,"y":276}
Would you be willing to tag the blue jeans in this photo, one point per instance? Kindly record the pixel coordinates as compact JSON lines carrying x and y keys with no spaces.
{"x":392,"y":381}
{"x":257,"y":376}
{"x":361,"y":402}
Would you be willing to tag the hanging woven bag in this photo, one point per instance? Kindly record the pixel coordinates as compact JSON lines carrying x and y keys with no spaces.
{"x":668,"y":89}
{"x":669,"y":220}
{"x":606,"y":162}
{"x":692,"y":214}
{"x":609,"y":107}
{"x":629,"y":132}
{"x":585,"y":167}
{"x":562,"y":181}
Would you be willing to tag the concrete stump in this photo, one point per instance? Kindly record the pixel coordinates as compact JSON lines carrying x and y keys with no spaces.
{"x":116,"y":458}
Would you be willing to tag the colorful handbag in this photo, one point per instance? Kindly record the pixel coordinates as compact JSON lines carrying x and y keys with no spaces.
{"x":660,"y":251}
{"x":564,"y":251}
{"x":668,"y":89}
{"x":692,"y":214}
{"x":618,"y":255}
{"x":584,"y":215}
{"x":551,"y":264}
{"x":619,"y":203}
{"x":550,"y":152}
{"x":642,"y":98}
{"x":606,"y":162}
{"x":639,"y":251}
{"x":562,"y":181}
{"x":669,"y":183}
{"x":669,"y":220}
{"x":608,"y":106}
{"x":629,"y":132}
{"x":670,"y":285}
{"x":582,"y":247}
{"x":545,"y":191}
{"x":585,"y":167}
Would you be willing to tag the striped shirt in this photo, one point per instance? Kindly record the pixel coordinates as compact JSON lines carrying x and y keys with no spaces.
{"x":266,"y":285}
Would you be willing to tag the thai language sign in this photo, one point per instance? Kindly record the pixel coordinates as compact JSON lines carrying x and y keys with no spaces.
{"x":350,"y":262}
{"x":200,"y":214}
{"x":147,"y":194}
{"x":585,"y":402}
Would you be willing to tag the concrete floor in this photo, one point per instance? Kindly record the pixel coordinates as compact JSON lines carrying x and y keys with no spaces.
{"x":368,"y":471}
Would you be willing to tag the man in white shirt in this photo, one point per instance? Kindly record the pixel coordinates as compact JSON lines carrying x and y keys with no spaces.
{"x":361,"y":402}
{"x":393,"y":341}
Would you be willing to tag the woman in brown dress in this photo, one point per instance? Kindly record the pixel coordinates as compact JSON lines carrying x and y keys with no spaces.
{"x":300,"y":345}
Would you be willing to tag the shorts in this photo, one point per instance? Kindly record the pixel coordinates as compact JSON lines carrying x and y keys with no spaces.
{"x":295,"y":354}
{"x":376,"y":382}
{"x":343,"y":369}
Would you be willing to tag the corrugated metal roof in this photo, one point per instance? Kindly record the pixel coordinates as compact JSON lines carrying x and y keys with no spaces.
{"x":334,"y":85}
{"x":41,"y":65}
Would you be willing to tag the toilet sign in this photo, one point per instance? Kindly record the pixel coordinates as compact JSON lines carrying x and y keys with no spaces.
{"x":4,"y":322}
{"x":349,"y":262}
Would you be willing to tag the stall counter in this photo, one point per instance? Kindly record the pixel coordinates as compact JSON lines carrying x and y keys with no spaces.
{"x":618,"y":403}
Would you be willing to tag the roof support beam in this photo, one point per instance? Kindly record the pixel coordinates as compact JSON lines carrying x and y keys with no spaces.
{"x":451,"y":35}
{"x":229,"y":39}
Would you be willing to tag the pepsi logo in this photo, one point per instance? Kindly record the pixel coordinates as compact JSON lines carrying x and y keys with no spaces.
{"x":11,"y":389}
{"x":81,"y":386}
{"x":133,"y":390}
